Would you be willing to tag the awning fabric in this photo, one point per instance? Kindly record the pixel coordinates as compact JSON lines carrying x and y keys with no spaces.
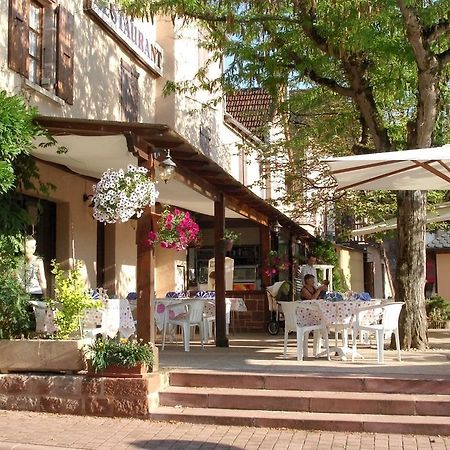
{"x":439,"y":213}
{"x":421,"y":169}
{"x":93,"y":155}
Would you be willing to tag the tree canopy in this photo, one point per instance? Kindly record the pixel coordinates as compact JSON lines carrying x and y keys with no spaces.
{"x":357,"y":76}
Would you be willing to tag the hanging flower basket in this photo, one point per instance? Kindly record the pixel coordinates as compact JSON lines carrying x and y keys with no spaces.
{"x":177,"y":230}
{"x":275,"y":263}
{"x":120,"y":195}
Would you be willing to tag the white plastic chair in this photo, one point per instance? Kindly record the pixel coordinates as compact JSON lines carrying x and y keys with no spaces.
{"x":210,"y":317}
{"x":389,"y":314}
{"x":289,"y":310}
{"x":192,"y":318}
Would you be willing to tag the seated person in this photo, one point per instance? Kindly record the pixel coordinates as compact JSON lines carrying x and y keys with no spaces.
{"x":309,"y":291}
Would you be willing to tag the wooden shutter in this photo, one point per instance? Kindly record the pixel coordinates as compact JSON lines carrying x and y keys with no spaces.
{"x":18,"y":39}
{"x":64,"y":55}
{"x":129,"y":99}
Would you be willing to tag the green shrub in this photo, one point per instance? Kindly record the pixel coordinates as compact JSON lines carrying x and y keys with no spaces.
{"x":438,"y":309}
{"x":106,"y":352}
{"x":71,"y":299}
{"x":14,"y":301}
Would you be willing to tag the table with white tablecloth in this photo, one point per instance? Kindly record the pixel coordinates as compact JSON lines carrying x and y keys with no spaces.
{"x":335,"y":314}
{"x":162,"y":307}
{"x":113,"y":318}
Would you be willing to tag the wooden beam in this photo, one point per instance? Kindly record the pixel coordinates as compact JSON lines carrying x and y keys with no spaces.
{"x":219,"y":268}
{"x":145,"y":273}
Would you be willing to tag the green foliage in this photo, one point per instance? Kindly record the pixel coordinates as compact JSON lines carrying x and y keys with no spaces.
{"x":18,"y":169}
{"x":14,"y":301}
{"x":438,"y":309}
{"x":230,"y":235}
{"x":326,"y":254}
{"x":307,"y":55}
{"x":106,"y":352}
{"x":71,"y":299}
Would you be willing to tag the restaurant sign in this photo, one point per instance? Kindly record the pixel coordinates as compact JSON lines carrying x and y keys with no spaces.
{"x":134,"y":34}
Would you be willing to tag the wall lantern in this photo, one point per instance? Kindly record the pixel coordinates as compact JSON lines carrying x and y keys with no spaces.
{"x":167,"y":168}
{"x":276,"y":227}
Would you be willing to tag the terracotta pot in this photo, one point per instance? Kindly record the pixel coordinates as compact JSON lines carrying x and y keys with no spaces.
{"x":113,"y":371}
{"x":228,"y":245}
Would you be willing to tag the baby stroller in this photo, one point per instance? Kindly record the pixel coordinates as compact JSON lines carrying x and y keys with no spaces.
{"x":281,"y":291}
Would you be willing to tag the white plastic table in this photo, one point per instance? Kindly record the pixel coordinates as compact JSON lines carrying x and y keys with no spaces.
{"x":334,"y":314}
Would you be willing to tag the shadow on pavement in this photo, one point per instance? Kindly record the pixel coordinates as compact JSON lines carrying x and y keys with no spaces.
{"x":172,"y":444}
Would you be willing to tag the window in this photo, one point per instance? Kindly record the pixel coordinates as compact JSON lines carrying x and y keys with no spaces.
{"x":35,"y":39}
{"x":129,"y":99}
{"x":40,"y":45}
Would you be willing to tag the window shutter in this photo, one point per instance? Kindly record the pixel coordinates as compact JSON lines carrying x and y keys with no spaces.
{"x":18,"y":40}
{"x":129,"y":80}
{"x":64,"y":55}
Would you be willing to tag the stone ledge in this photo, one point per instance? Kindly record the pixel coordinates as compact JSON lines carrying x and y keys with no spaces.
{"x":81,"y":395}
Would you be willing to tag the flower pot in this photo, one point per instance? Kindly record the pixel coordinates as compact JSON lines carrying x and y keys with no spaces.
{"x":114,"y":371}
{"x":228,"y":245}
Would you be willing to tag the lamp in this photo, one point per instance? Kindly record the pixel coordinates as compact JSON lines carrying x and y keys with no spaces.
{"x":167,"y":168}
{"x":276,"y":227}
{"x":89,"y":198}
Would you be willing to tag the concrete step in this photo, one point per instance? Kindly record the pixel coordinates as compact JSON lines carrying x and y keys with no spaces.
{"x":312,"y":382}
{"x":373,"y":423}
{"x":307,"y":401}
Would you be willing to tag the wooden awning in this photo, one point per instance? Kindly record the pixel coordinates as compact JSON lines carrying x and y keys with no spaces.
{"x":193,"y":167}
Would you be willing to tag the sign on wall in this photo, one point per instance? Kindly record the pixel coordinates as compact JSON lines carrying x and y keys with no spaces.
{"x":135,"y":34}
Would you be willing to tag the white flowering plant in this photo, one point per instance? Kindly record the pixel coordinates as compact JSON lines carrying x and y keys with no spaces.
{"x":120,"y":195}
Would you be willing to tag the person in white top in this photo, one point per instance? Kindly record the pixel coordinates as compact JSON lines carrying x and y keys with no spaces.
{"x":32,"y":274}
{"x":309,"y":269}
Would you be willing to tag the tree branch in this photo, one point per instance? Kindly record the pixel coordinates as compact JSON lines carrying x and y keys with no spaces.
{"x":436,"y":31}
{"x":329,"y":83}
{"x":444,"y":58}
{"x":415,"y":35}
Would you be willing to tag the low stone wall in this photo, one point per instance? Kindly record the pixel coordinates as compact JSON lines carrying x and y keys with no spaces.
{"x":80,"y":394}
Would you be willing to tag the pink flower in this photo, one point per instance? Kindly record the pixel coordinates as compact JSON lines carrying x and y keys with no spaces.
{"x":152,"y":236}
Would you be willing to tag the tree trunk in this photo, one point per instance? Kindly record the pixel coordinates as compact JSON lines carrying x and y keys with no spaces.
{"x":411,"y":226}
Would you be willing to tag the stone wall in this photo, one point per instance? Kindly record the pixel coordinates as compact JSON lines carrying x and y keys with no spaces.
{"x":80,"y":394}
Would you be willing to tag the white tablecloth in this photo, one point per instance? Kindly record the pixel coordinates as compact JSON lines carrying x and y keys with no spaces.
{"x":114,"y":318}
{"x":237,"y":304}
{"x":117,"y":318}
{"x":341,"y":312}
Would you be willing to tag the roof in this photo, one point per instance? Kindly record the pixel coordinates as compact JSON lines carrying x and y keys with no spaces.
{"x":188,"y":158}
{"x":441,"y":242}
{"x":250,"y":107}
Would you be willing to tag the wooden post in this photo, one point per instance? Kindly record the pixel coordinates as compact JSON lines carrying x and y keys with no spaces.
{"x":264,"y":236}
{"x":145,"y":273}
{"x":219,"y":267}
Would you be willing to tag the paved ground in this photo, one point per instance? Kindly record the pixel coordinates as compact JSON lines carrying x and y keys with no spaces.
{"x":264,"y":353}
{"x":38,"y":431}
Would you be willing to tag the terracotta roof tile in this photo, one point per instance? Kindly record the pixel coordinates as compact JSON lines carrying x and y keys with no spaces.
{"x":250,"y":107}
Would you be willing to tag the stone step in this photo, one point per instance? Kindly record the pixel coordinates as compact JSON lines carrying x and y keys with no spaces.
{"x":307,"y":401}
{"x":373,"y":423}
{"x":312,"y":382}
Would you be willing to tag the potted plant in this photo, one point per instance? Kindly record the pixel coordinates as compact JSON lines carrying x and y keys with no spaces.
{"x":275,"y":263}
{"x":120,"y":195}
{"x":65,"y":352}
{"x":176,"y":230}
{"x":119,"y":358}
{"x":229,"y":238}
{"x":71,"y":300}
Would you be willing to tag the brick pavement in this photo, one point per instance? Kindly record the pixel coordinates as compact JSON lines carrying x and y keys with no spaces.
{"x":38,"y":431}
